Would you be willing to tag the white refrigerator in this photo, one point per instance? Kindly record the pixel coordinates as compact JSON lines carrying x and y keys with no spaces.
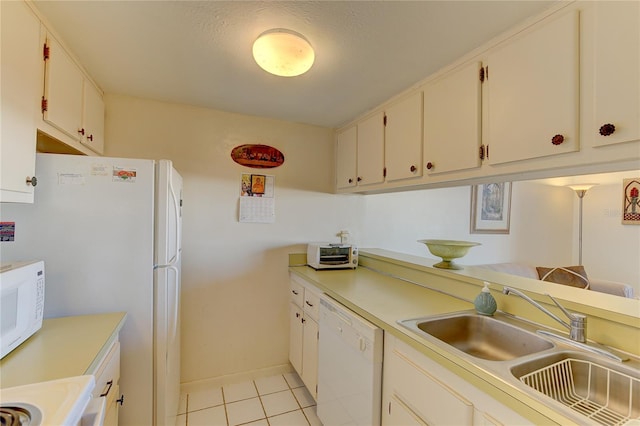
{"x":109,"y":232}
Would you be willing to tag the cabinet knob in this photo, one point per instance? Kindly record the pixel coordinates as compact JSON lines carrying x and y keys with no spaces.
{"x":607,"y":129}
{"x":557,"y":139}
{"x":359,"y":179}
{"x":303,"y":320}
{"x":430,"y":165}
{"x":412,"y":168}
{"x":308,"y":304}
{"x":81,"y":131}
{"x":120,"y":400}
{"x":297,"y":314}
{"x":33,"y":181}
{"x":350,"y":180}
{"x":90,"y":138}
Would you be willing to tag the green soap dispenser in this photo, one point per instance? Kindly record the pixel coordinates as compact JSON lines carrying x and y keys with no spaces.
{"x":485,"y":303}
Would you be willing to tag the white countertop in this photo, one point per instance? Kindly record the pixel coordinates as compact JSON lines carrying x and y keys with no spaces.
{"x":63,"y":347}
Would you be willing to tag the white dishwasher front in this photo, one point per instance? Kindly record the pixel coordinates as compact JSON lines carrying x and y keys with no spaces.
{"x":349,"y":367}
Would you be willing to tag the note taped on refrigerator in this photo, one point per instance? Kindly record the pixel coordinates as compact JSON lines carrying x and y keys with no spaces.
{"x":257,"y":200}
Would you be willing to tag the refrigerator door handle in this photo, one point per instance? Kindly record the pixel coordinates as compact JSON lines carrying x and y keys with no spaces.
{"x":174,"y":323}
{"x":176,"y":206}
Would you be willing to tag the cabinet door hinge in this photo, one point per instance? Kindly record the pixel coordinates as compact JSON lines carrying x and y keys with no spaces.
{"x":486,"y":152}
{"x":46,"y":51}
{"x":384,"y":120}
{"x":384,"y":172}
{"x":481,"y":152}
{"x":481,"y":74}
{"x":44,"y":104}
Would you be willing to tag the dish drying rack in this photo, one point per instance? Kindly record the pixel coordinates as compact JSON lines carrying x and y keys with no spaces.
{"x":587,"y":388}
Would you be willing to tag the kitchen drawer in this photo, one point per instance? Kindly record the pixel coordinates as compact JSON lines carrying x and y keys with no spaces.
{"x":108,"y":374}
{"x":297,"y":292}
{"x":311,"y":304}
{"x":426,"y":396}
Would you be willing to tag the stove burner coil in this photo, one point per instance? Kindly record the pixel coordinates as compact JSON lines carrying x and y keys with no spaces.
{"x":14,"y":416}
{"x":20,"y":413}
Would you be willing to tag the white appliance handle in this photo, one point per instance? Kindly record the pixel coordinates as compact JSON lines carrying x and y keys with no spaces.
{"x":176,"y":206}
{"x":174,"y":324}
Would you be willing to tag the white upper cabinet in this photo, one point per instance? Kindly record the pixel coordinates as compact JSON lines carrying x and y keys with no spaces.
{"x":346,"y":152}
{"x":360,"y":153}
{"x":616,"y":72}
{"x":63,"y":87}
{"x":93,"y":118}
{"x":21,"y":90}
{"x":71,"y":103}
{"x":371,"y":150}
{"x":452,"y":121}
{"x":558,"y":92}
{"x":533,"y":92}
{"x":403,"y":138}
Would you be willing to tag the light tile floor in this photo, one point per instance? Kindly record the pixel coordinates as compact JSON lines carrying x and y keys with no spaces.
{"x":279,"y":400}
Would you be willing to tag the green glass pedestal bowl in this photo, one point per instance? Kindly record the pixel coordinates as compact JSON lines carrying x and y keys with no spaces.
{"x":448,"y":250}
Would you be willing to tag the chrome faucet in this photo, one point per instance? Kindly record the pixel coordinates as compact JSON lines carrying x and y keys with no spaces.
{"x":578,"y":322}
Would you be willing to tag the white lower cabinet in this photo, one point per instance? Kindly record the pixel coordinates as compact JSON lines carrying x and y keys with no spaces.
{"x":419,"y":391}
{"x":310,"y":354}
{"x":400,"y":414}
{"x":303,"y":332}
{"x":107,"y":378}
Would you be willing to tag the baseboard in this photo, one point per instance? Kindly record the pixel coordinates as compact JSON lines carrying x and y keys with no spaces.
{"x":235,"y":378}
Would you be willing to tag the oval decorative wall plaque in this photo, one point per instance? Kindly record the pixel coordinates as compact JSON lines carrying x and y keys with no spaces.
{"x":257,"y":156}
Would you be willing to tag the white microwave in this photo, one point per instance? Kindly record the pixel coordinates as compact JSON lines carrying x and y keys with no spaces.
{"x":21,"y":302}
{"x":332,"y":256}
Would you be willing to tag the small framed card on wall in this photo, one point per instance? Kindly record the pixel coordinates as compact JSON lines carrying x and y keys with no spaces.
{"x":490,"y":208}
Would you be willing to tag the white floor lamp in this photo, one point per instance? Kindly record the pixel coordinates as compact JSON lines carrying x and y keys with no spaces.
{"x":581,"y":190}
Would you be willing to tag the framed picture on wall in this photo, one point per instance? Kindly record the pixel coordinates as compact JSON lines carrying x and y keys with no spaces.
{"x":631,"y":202}
{"x":490,"y":208}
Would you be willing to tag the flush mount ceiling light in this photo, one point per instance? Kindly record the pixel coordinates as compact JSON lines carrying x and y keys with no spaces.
{"x":283,"y":52}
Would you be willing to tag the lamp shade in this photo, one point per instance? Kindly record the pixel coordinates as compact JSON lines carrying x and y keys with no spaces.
{"x":582,"y":186}
{"x":283,"y":52}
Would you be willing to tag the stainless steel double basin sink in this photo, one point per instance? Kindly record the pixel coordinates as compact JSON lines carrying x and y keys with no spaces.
{"x":561,"y":373}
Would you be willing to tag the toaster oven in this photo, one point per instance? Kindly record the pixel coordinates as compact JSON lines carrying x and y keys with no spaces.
{"x":332,"y":256}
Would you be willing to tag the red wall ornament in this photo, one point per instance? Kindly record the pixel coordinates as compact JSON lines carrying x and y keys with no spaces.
{"x":257,"y":156}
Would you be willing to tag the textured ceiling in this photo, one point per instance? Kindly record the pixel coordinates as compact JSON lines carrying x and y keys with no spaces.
{"x":199,"y":52}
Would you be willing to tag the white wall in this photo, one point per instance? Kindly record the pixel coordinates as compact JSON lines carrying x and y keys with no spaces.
{"x":610,"y":249}
{"x":235,"y":283}
{"x":540,"y":214}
